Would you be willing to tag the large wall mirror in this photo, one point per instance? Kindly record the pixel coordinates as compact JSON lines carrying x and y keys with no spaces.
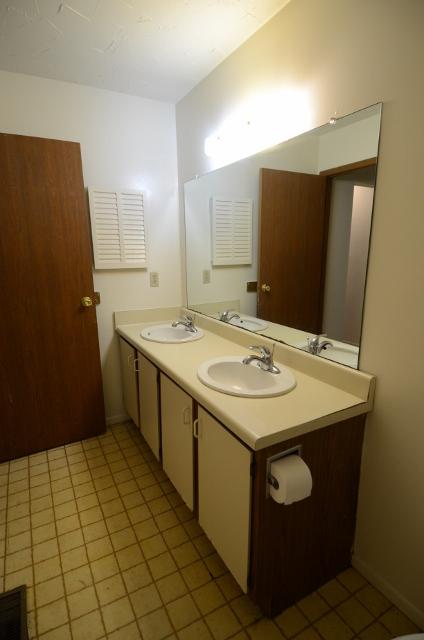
{"x":277,"y":243}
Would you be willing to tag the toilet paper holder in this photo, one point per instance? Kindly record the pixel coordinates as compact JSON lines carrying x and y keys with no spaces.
{"x":270,"y":480}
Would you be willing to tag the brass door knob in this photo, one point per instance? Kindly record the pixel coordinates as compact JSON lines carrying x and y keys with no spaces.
{"x":265,"y":288}
{"x":86,"y":301}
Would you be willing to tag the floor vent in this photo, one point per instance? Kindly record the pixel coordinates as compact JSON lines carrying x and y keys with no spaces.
{"x":13,"y":625}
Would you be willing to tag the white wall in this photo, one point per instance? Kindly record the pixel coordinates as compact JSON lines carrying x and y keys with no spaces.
{"x":347,"y":55}
{"x":357,"y":141}
{"x":125,"y":142}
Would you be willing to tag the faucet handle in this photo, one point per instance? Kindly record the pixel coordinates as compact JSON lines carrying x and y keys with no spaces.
{"x":262,"y":349}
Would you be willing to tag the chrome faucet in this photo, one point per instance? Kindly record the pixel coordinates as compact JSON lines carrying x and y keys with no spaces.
{"x":187,"y":322}
{"x":265,"y":359}
{"x":315,"y":346}
{"x":228,"y":315}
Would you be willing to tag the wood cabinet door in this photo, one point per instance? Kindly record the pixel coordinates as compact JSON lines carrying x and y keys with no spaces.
{"x":292,"y":248}
{"x":225,"y":494}
{"x":149,"y":403}
{"x":177,"y":438}
{"x":50,"y":377}
{"x":129,"y":379}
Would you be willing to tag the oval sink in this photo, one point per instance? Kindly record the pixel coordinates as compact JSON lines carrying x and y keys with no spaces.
{"x":230,"y":375}
{"x":249,"y":322}
{"x":168,"y":333}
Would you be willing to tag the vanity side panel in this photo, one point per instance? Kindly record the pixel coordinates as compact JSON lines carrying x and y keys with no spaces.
{"x":296,"y":548}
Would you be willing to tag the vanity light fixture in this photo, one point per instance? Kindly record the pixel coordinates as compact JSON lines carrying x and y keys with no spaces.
{"x":265,"y":119}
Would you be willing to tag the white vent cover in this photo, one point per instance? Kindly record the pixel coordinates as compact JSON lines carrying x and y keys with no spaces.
{"x":118,"y":229}
{"x":231,"y":231}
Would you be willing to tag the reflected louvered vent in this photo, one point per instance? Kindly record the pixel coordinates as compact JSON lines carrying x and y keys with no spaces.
{"x":118,"y":229}
{"x":231,"y":231}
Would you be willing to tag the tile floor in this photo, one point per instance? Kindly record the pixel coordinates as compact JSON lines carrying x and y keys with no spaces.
{"x":108,"y":550}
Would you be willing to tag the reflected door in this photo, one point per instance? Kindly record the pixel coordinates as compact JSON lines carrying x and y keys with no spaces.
{"x":292,"y":248}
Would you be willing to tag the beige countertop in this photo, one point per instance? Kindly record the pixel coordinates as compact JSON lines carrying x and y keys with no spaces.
{"x":325,"y":392}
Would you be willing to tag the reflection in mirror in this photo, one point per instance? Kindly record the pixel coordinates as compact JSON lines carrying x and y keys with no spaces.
{"x":277,"y":243}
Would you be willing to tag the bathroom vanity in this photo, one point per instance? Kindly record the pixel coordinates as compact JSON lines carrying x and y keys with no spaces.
{"x":215,"y":448}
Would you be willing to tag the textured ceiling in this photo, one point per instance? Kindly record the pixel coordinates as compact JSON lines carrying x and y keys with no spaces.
{"x":153,"y":48}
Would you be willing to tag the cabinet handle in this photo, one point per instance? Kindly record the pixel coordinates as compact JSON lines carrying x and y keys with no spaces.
{"x":186,"y":415}
{"x":196,"y":428}
{"x":135,"y":365}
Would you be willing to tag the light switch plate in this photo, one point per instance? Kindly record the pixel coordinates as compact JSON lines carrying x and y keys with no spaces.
{"x":206,"y":276}
{"x":154,"y":279}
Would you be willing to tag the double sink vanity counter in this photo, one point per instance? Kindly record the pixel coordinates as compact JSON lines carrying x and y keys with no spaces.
{"x":216,"y":449}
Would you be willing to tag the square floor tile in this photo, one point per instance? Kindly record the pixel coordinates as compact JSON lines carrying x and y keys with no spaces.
{"x":183,"y":611}
{"x":155,"y":625}
{"x":246,"y":610}
{"x":137,"y":577}
{"x":171,"y":587}
{"x":196,"y":575}
{"x":291,"y":621}
{"x":356,"y":616}
{"x":52,"y":615}
{"x":104,"y":568}
{"x":47,"y":569}
{"x":117,"y":614}
{"x":77,"y":579}
{"x":129,"y":557}
{"x":313,"y":606}
{"x":82,"y":602}
{"x":331,"y":627}
{"x":49,"y":591}
{"x":373,"y":600}
{"x":145,"y":600}
{"x":99,"y":548}
{"x":208,"y":598}
{"x":89,"y":627}
{"x":222,"y":623}
{"x":110,"y":589}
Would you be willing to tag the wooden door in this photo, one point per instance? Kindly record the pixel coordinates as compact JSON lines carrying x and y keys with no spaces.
{"x":129,"y":379}
{"x":225,"y":494}
{"x":292,"y":248}
{"x":177,"y":438}
{"x":148,"y":394}
{"x":50,"y":377}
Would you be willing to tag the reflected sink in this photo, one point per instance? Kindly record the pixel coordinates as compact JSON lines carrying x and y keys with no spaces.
{"x":249,"y":322}
{"x":342,"y":353}
{"x":230,"y":375}
{"x":168,"y":333}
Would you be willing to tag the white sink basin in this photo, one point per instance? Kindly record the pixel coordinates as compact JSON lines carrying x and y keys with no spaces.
{"x":168,"y":333}
{"x":249,"y":322}
{"x":230,"y":375}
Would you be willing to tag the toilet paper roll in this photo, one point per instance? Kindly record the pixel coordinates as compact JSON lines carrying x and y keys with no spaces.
{"x":294,"y":479}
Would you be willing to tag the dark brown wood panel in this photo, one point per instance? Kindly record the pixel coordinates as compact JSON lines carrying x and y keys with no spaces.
{"x":292,"y":248}
{"x":50,"y":378}
{"x":296,"y":548}
{"x":347,"y":168}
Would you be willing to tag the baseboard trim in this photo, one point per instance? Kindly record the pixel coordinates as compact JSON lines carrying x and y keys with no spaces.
{"x":389,"y":591}
{"x":115,"y":419}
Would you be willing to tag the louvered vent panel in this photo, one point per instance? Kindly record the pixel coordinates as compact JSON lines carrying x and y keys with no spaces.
{"x":118,"y":229}
{"x":231,"y":231}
